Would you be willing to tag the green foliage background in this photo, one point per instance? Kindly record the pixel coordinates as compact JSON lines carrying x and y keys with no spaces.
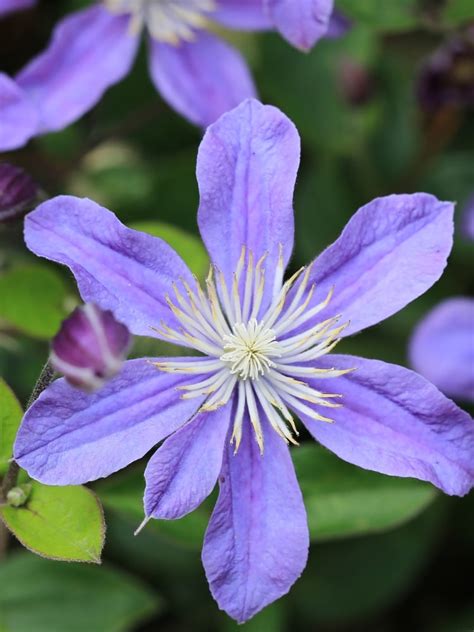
{"x":387,"y":554}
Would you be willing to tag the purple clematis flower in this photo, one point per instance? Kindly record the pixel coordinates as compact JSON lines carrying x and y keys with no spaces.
{"x":8,"y":6}
{"x":265,"y":348}
{"x":442,"y":347}
{"x":196,"y":72}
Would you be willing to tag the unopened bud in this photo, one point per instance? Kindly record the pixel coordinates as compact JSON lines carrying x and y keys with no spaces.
{"x":90,"y":347}
{"x":18,"y":496}
{"x":18,"y":192}
{"x":447,"y":77}
{"x":356,"y":82}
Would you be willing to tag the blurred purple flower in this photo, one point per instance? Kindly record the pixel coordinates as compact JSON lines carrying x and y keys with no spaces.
{"x":8,"y":6}
{"x":264,"y":346}
{"x":447,"y":77}
{"x":90,"y":347}
{"x":18,"y":192}
{"x":442,"y":347}
{"x":196,"y":72}
{"x":468,"y":218}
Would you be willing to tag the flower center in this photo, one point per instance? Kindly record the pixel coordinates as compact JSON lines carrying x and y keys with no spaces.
{"x":264,"y":354}
{"x":249,"y":349}
{"x":169,"y":21}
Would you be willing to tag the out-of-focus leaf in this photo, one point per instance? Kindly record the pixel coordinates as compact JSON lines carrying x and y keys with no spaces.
{"x":61,"y":523}
{"x":390,"y":15}
{"x":271,"y":619}
{"x":188,"y":246}
{"x":10,"y":417}
{"x":42,"y":596}
{"x":32,"y":299}
{"x":343,"y":500}
{"x":312,"y":94}
{"x":457,"y":12}
{"x":124,"y":494}
{"x":350,"y":580}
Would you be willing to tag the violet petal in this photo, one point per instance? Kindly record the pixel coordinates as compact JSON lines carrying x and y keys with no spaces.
{"x":390,"y":252}
{"x":395,"y":422}
{"x":123,"y":270}
{"x":301,"y":22}
{"x":69,"y":437}
{"x":8,"y":6}
{"x":184,"y":470}
{"x":246,"y":170}
{"x":256,"y":545}
{"x":89,"y":51}
{"x":242,"y":15}
{"x":18,"y":115}
{"x":201,"y":79}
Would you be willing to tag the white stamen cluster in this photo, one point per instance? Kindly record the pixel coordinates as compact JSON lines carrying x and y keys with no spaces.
{"x":258,"y":353}
{"x":169,"y":21}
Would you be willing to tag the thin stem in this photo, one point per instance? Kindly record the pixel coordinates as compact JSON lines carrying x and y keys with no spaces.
{"x":42,"y":383}
{"x":10,"y":479}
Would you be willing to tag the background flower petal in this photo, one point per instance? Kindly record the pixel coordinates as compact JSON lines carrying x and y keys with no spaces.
{"x":442,"y":347}
{"x":394,"y":421}
{"x":90,"y":50}
{"x":391,"y":251}
{"x":183,"y":471}
{"x":301,"y":22}
{"x":69,"y":437}
{"x":7,"y":6}
{"x":242,"y":14}
{"x":252,"y":552}
{"x":18,"y":116}
{"x":201,"y":79}
{"x":246,"y":170}
{"x":339,"y":25}
{"x":117,"y":268}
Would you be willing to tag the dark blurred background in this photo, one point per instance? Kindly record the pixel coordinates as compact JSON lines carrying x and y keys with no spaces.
{"x":377,"y":114}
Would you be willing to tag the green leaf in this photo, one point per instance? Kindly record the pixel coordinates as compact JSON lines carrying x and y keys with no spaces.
{"x":189,"y":247}
{"x":32,"y":299}
{"x":10,"y":417}
{"x":124,"y":494}
{"x":343,"y":500}
{"x":350,"y":580}
{"x":42,"y":596}
{"x":457,"y":12}
{"x":392,"y":15}
{"x":61,"y":523}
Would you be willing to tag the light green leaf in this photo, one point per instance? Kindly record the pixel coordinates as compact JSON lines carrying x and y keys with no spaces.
{"x":61,"y":523}
{"x":189,"y":247}
{"x":42,"y":596}
{"x":343,"y":500}
{"x":32,"y":299}
{"x":10,"y":417}
{"x":124,"y":494}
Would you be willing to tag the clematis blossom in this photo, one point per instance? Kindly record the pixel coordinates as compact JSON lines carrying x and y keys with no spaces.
{"x":442,"y":347}
{"x":195,"y":71}
{"x":266,"y":356}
